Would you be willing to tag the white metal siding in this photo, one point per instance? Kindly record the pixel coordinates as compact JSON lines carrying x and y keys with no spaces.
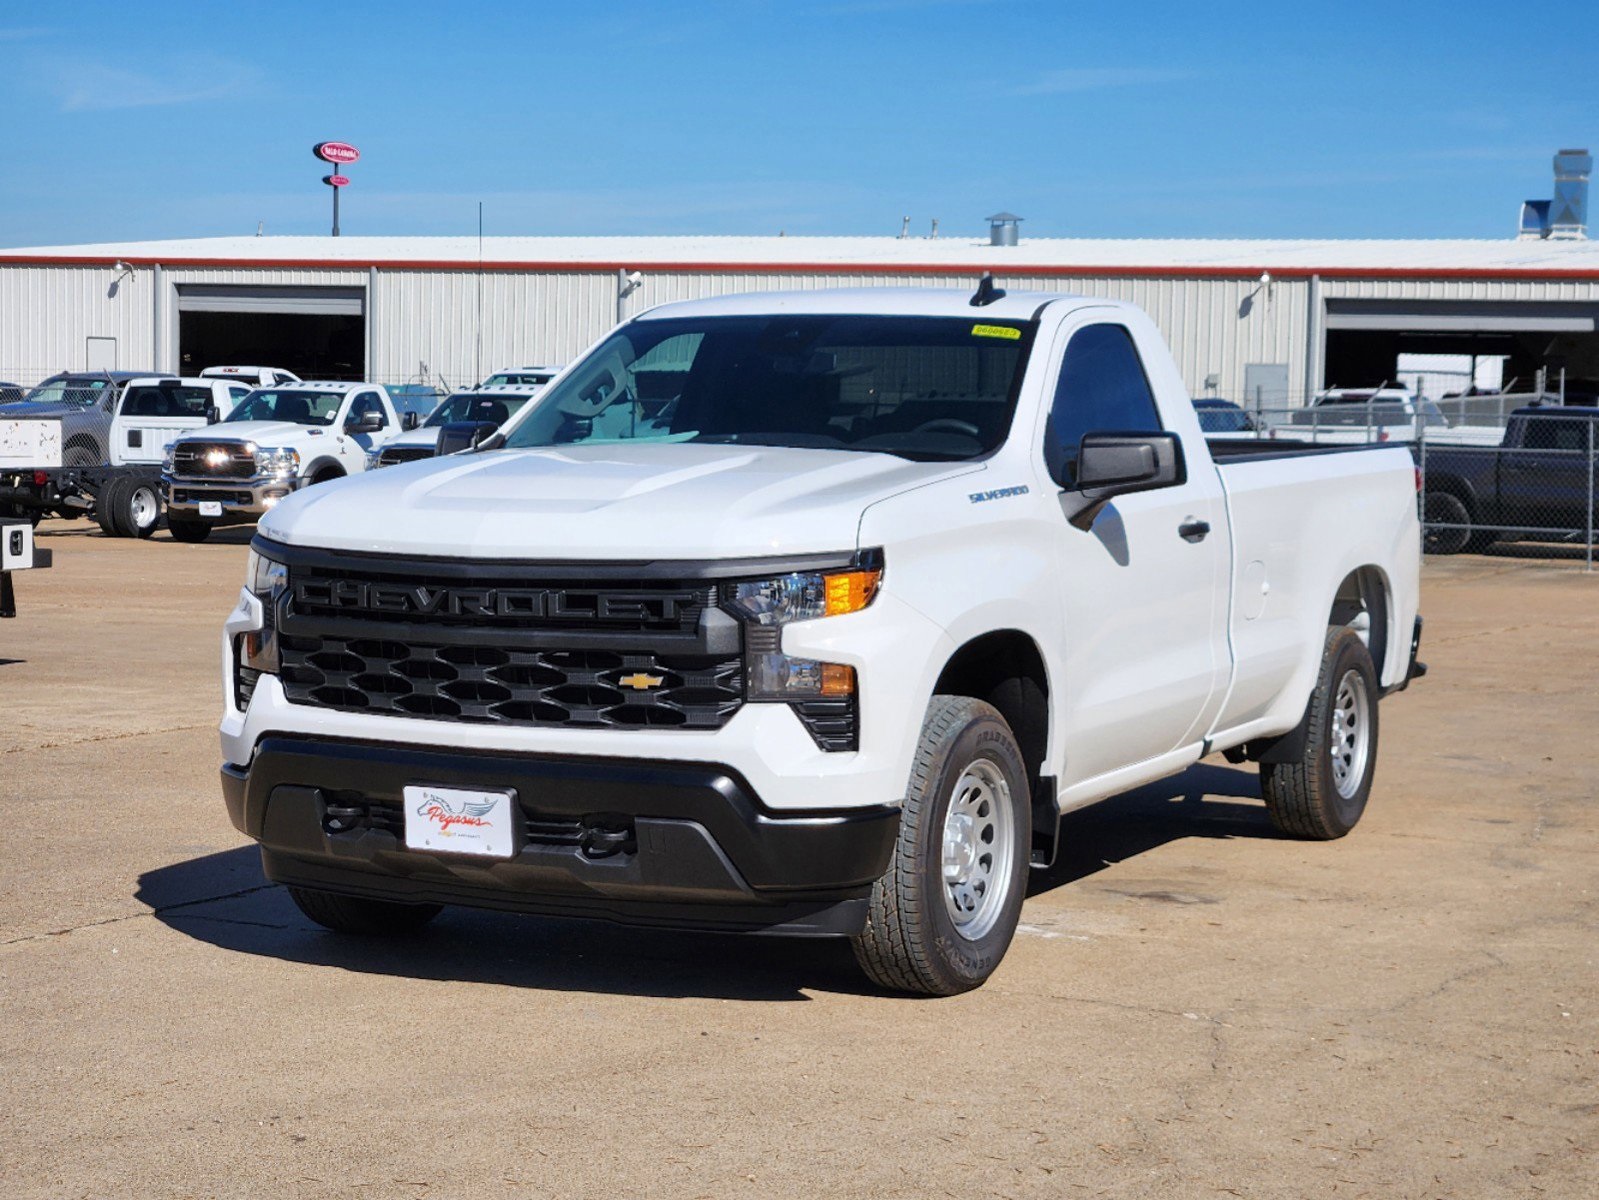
{"x":426,"y":321}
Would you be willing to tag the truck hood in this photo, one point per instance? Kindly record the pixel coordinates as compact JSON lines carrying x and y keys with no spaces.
{"x":638,"y":502}
{"x":263,"y":433}
{"x":420,"y":436}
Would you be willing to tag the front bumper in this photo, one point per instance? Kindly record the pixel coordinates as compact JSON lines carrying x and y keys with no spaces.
{"x":241,"y":499}
{"x":635,"y":840}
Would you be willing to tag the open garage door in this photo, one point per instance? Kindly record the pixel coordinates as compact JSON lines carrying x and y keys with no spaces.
{"x":1536,"y":341}
{"x":316,"y":332}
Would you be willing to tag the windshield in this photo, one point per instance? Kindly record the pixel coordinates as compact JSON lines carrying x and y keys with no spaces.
{"x":301,"y":407}
{"x":167,"y":400}
{"x":82,"y":392}
{"x":475,"y":406}
{"x":925,"y":388}
{"x":518,"y":379}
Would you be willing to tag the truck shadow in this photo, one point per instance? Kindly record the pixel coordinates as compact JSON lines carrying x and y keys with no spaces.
{"x":224,"y":900}
{"x":1201,"y":802}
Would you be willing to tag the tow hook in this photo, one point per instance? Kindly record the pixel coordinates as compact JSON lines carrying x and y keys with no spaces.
{"x":607,"y":835}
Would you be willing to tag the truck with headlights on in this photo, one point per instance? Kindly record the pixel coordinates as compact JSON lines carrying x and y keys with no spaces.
{"x":809,"y":613}
{"x":278,"y":440}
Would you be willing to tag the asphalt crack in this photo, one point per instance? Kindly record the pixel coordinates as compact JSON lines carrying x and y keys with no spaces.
{"x":150,"y":912}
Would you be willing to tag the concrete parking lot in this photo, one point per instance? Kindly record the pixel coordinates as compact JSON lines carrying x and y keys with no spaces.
{"x":1194,"y":1006}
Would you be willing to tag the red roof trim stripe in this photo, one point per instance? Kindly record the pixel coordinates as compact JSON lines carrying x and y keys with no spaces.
{"x":1002,"y":270}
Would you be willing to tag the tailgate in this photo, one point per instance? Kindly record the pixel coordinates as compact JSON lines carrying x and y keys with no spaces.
{"x":29,"y":443}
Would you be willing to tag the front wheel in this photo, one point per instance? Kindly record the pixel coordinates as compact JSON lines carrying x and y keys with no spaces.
{"x":188,"y":531}
{"x":1322,"y":795}
{"x":944,"y":912}
{"x":361,"y":915}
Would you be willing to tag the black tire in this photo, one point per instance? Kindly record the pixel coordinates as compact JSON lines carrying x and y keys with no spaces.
{"x":912,"y":942}
{"x":81,"y":454}
{"x":188,"y":531}
{"x":360,"y":915}
{"x":1446,"y":524}
{"x":1318,"y":798}
{"x":140,"y":494}
{"x":105,"y":508}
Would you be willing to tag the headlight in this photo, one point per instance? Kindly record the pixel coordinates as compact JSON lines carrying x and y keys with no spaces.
{"x":280,"y":461}
{"x":766,"y":605}
{"x":803,"y":597}
{"x":166,"y":457}
{"x":372,"y":459}
{"x":256,"y":653}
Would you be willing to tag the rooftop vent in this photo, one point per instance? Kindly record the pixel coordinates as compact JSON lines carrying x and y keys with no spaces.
{"x":1002,"y":229}
{"x":1566,"y":216}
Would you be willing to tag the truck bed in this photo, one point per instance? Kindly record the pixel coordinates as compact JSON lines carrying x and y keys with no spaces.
{"x":1222,"y":449}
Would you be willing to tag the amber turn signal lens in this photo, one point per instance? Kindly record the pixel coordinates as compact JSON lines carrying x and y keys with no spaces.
{"x":850,"y":591}
{"x":838,"y":680}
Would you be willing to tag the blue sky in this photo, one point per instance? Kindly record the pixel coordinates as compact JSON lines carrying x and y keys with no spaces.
{"x":129,"y":120}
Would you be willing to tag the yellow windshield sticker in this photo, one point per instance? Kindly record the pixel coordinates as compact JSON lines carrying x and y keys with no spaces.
{"x":997,"y":331}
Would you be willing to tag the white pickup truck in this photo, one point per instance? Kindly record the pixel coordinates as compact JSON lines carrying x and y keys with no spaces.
{"x":278,"y":440}
{"x":821,"y":638}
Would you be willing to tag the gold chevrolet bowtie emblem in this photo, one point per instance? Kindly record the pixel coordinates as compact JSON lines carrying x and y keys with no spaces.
{"x":640,"y":682}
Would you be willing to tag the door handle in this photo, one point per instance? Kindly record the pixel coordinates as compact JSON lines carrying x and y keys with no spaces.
{"x":1193,"y":530}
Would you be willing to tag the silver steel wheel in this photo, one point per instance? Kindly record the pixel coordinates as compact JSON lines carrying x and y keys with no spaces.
{"x":144,"y":507}
{"x":1350,"y":744}
{"x":978,"y":841}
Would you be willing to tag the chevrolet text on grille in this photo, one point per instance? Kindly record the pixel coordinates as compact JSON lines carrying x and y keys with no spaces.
{"x":348,"y":595}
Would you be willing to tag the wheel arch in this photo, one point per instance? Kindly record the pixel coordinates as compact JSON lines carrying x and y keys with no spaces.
{"x":1005,"y":668}
{"x":1366,"y":592}
{"x":323,"y":469}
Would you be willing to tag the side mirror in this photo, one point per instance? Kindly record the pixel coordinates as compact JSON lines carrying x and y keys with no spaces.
{"x":1119,"y":464}
{"x":367,"y":422}
{"x":213,"y":414}
{"x":410,"y":421}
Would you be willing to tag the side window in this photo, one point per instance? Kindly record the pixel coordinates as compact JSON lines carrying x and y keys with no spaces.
{"x":1102,"y":389}
{"x":369,"y":402}
{"x":1544,"y":433}
{"x":238,"y":393}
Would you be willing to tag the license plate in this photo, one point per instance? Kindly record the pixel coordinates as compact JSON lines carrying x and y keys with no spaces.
{"x":210,"y":508}
{"x":458,"y":821}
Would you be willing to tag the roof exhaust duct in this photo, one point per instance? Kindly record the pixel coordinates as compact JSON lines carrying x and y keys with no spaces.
{"x":1003,"y":229}
{"x":1568,"y":214}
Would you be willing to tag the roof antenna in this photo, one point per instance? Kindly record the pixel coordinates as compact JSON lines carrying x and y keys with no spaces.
{"x":986,"y":292}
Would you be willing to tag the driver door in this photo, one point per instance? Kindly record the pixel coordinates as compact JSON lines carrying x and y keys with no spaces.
{"x":354,"y":446}
{"x":1142,"y":590}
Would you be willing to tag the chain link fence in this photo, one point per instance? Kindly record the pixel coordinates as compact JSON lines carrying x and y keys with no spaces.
{"x":1515,"y":475}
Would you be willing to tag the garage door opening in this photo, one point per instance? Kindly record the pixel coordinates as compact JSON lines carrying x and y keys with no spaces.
{"x":316,"y":332}
{"x":1538,"y":345}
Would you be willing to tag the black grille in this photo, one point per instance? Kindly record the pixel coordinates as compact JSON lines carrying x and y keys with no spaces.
{"x":182,"y":495}
{"x":505,"y":685}
{"x":401,"y":454}
{"x":218,"y":460}
{"x":500,"y":602}
{"x":834,"y":723}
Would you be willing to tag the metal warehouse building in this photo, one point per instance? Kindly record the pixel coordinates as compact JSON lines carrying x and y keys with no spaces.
{"x":1271,"y":321}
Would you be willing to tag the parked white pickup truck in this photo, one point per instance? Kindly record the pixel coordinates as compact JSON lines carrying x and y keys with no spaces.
{"x":276,"y":441}
{"x":823,"y":642}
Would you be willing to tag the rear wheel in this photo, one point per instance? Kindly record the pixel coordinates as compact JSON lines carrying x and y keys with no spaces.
{"x":361,"y":915}
{"x":132,"y":507}
{"x":1323,"y":794}
{"x":188,"y":531}
{"x":944,"y":912}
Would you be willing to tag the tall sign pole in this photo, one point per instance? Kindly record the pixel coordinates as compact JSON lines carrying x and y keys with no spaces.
{"x":338,"y":154}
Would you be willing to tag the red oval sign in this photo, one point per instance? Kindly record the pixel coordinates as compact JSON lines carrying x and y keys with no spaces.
{"x":336,"y":180}
{"x":336,"y":152}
